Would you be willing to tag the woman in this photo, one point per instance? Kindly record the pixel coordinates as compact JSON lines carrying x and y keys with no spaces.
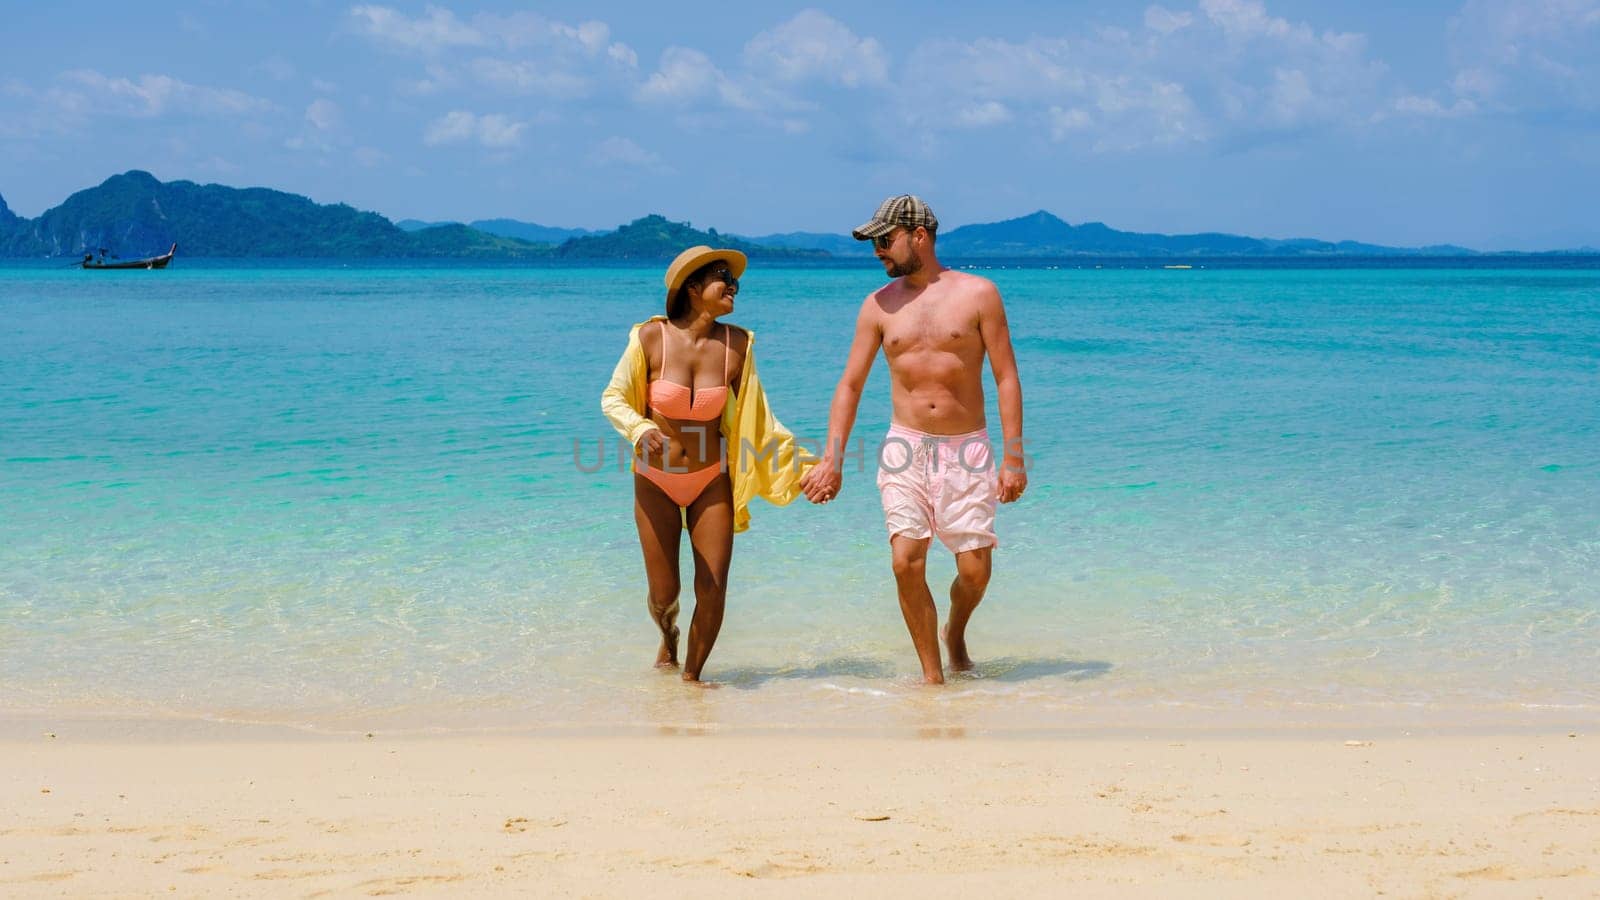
{"x":686,"y":396}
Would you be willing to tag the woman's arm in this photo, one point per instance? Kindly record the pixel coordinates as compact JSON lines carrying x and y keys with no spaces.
{"x":622,"y":401}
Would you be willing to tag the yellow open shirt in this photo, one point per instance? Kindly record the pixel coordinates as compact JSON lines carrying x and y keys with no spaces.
{"x":748,"y":427}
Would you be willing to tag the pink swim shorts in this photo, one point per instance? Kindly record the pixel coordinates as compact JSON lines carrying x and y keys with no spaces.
{"x":943,"y":484}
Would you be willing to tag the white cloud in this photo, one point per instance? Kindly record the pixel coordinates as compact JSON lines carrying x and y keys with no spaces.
{"x":684,"y":76}
{"x":525,"y":30}
{"x":1248,"y":19}
{"x":624,"y":153}
{"x":1054,"y":83}
{"x":1159,"y":18}
{"x":1219,"y":70}
{"x":1527,"y":55}
{"x":983,"y":114}
{"x":152,"y":95}
{"x":530,"y":54}
{"x":499,"y":131}
{"x":438,"y":79}
{"x":524,"y":77}
{"x":434,"y":32}
{"x":493,"y":130}
{"x":815,"y":46}
{"x":592,"y":35}
{"x":623,"y":55}
{"x":1290,"y":96}
{"x":451,"y":128}
{"x":323,"y":114}
{"x":1064,"y":123}
{"x":1278,"y":74}
{"x":1429,"y":108}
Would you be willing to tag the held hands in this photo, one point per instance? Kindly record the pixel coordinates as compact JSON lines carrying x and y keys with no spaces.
{"x":822,"y":483}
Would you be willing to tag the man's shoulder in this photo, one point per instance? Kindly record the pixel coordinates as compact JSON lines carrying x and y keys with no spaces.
{"x":884,"y":294}
{"x":968,"y":283}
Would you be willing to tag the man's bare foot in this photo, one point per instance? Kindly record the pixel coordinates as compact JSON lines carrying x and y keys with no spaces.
{"x":959,"y":660}
{"x":694,"y":679}
{"x":667,"y":656}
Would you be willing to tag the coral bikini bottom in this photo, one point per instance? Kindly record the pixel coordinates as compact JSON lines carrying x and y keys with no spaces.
{"x":683,"y":488}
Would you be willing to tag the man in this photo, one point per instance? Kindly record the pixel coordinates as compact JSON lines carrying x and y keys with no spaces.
{"x":936,"y":472}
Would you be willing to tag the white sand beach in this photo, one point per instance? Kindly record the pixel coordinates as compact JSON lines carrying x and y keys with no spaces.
{"x":687,"y":813}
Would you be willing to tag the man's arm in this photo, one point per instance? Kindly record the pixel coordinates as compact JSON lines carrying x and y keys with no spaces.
{"x":996,"y":334}
{"x":822,"y":483}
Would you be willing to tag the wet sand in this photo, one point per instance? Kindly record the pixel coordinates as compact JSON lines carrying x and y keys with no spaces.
{"x":694,"y":813}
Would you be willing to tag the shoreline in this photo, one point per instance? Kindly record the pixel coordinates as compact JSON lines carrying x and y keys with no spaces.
{"x":740,"y":815}
{"x":115,"y":727}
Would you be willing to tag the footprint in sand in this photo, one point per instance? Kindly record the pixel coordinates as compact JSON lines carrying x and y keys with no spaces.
{"x":520,"y":824}
{"x":1517,"y":873}
{"x":1212,"y":840}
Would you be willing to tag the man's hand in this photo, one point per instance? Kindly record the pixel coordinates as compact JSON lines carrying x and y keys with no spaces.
{"x":1013,"y":481}
{"x":822,"y":483}
{"x":652,"y":444}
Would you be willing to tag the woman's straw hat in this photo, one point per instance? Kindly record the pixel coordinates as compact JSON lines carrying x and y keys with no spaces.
{"x":695,"y":257}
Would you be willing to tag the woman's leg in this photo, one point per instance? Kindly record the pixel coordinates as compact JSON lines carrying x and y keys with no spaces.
{"x":660,"y":529}
{"x":711,"y":537}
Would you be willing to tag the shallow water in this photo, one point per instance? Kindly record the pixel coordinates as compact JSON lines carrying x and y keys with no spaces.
{"x":346,"y":498}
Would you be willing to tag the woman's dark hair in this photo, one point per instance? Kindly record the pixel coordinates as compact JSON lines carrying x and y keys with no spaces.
{"x":680,"y":300}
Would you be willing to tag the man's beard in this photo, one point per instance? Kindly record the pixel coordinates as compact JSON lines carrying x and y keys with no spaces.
{"x":901,"y":270}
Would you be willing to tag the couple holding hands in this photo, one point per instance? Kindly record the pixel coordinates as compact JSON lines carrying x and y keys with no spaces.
{"x":686,"y":395}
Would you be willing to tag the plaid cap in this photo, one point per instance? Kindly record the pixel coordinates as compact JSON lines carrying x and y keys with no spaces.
{"x":904,"y":211}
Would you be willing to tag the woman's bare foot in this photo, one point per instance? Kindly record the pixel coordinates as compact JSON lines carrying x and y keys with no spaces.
{"x":694,"y":679}
{"x":959,"y":660}
{"x":667,"y":656}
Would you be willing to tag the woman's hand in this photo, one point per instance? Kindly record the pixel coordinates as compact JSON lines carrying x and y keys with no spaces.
{"x":651,"y":443}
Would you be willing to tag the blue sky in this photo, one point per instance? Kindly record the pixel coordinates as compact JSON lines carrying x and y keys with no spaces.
{"x":1473,"y":122}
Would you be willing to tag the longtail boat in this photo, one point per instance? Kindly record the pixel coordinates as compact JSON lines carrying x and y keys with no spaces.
{"x":151,"y":262}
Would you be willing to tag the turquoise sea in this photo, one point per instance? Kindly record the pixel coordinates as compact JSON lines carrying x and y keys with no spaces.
{"x":348,"y":498}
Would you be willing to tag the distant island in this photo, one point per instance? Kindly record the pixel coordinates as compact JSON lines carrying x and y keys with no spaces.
{"x":134,"y":213}
{"x":511,"y":228}
{"x":134,"y":210}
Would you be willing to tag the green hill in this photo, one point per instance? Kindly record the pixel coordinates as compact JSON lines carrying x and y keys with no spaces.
{"x":531,"y":232}
{"x":1042,"y":234}
{"x":655,"y":238}
{"x":835,"y":244}
{"x":134,"y":214}
{"x":465,"y":241}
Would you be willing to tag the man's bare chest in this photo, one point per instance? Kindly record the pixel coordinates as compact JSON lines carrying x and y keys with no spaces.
{"x":931,"y":327}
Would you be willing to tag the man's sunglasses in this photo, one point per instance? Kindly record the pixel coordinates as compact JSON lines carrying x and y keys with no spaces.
{"x":885,"y":241}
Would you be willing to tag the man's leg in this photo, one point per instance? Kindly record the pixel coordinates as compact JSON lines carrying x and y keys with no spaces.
{"x":916,"y":602}
{"x":966,"y":592}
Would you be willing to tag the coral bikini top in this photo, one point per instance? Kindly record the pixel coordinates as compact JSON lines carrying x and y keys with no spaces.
{"x":681,"y":401}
